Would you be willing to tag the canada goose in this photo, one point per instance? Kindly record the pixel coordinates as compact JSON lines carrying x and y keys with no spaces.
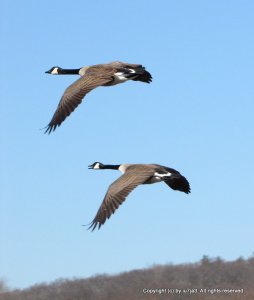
{"x":92,"y":77}
{"x":134,"y":175}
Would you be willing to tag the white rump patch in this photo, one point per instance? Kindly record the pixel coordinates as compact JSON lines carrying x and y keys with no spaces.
{"x":120,"y":76}
{"x":156,"y":174}
{"x":158,"y":177}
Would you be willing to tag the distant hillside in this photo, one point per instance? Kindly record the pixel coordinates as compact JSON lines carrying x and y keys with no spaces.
{"x":207,"y":279}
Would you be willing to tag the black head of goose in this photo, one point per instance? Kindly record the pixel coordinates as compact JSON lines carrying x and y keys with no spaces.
{"x":133,"y":176}
{"x":92,"y":77}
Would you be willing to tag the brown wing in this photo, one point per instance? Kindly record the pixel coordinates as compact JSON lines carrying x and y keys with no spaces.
{"x":73,"y":96}
{"x":116,"y":194}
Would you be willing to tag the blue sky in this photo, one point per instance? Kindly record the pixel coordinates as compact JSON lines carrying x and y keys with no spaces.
{"x":196,"y":116}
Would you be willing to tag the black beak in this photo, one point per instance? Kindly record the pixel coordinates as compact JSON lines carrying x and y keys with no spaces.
{"x":48,"y":72}
{"x":90,"y":167}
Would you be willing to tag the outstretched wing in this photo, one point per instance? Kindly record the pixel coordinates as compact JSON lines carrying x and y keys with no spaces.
{"x":116,"y":194}
{"x":73,"y":96}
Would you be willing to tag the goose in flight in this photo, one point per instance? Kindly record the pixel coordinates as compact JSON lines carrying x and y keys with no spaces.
{"x":134,"y":175}
{"x":92,"y":77}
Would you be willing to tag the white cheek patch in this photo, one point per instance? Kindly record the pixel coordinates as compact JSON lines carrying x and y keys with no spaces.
{"x":97,"y":166}
{"x":54,"y":71}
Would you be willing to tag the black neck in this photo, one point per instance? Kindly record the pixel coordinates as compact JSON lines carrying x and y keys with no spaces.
{"x":111,"y":167}
{"x":69,"y":71}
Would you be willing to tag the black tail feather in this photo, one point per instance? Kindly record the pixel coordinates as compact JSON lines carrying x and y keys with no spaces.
{"x":178,"y":183}
{"x":144,"y":76}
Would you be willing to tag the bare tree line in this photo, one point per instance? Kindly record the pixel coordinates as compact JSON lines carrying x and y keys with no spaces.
{"x":207,"y":279}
